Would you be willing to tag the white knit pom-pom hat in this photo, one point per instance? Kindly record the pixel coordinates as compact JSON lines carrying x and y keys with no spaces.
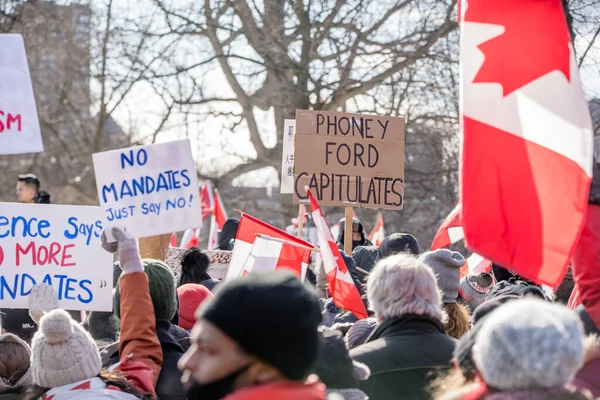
{"x":62,"y":352}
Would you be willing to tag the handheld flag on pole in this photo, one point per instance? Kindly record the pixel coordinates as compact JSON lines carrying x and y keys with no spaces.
{"x":343,"y":290}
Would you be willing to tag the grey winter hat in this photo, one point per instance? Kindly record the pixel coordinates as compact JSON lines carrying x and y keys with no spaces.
{"x":446,"y":265}
{"x":529,"y":344}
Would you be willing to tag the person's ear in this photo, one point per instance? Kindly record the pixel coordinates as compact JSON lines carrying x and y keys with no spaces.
{"x":260,"y":373}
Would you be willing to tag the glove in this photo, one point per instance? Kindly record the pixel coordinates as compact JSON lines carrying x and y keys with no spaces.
{"x":127,"y":248}
{"x":42,"y":299}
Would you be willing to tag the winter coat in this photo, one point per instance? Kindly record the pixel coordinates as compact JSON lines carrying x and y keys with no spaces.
{"x":478,"y":391}
{"x":311,"y":389}
{"x":174,"y":342}
{"x":588,"y":376}
{"x":404,"y":354}
{"x":140,"y":353}
{"x":13,"y":393}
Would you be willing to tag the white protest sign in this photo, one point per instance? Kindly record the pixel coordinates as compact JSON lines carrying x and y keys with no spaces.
{"x":19,"y":124}
{"x":148,"y":190}
{"x":287,"y":156}
{"x":58,"y":245}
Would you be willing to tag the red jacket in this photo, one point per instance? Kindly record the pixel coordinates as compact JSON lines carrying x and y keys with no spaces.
{"x":311,"y":389}
{"x":139,"y":349}
{"x":586,"y":273}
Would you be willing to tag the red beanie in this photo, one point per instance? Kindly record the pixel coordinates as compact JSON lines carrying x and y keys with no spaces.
{"x":191,"y":296}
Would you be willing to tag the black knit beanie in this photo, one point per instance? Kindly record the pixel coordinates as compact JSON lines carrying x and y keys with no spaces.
{"x":272,"y":316}
{"x":398,"y":243}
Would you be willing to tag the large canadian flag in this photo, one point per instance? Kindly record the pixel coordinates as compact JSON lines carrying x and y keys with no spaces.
{"x":451,"y":230}
{"x":377,"y":234}
{"x":219,"y":216}
{"x":527,"y":136}
{"x":343,"y":290}
{"x":269,"y":254}
{"x":246,"y":237}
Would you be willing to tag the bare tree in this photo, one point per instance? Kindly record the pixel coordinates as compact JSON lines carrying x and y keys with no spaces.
{"x":84,"y":64}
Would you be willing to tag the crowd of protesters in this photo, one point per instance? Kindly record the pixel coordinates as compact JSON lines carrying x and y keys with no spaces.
{"x":430,"y":334}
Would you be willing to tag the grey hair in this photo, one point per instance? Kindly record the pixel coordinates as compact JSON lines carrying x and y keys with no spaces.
{"x":400,"y":285}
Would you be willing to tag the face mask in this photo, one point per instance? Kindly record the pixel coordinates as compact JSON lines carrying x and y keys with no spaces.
{"x":357,"y":243}
{"x":216,"y":390}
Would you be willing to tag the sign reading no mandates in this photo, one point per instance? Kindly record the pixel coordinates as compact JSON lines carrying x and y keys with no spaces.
{"x":349,"y":159}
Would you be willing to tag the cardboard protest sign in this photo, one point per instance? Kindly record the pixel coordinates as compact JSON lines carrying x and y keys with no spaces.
{"x":58,"y":245}
{"x":148,"y":190}
{"x":349,"y":159}
{"x":19,"y":124}
{"x":287,"y":157}
{"x":219,"y":262}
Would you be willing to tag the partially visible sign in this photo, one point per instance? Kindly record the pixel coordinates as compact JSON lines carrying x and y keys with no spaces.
{"x":19,"y":124}
{"x":349,"y":159}
{"x":287,"y":157}
{"x":58,"y":245}
{"x":148,"y":190}
{"x":219,"y":262}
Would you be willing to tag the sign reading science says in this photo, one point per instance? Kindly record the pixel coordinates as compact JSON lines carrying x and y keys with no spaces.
{"x":148,"y":190}
{"x":58,"y":245}
{"x":349,"y":159}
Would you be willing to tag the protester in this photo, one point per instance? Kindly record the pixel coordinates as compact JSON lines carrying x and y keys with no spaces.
{"x":65,"y":359}
{"x":28,"y":190}
{"x":28,"y":186}
{"x":174,"y":341}
{"x":364,"y":257}
{"x":337,"y":370}
{"x":15,"y":367}
{"x":398,"y":243}
{"x":446,"y":265}
{"x":409,"y":347}
{"x":19,"y":323}
{"x":256,"y":339}
{"x":191,"y":296}
{"x":526,"y":349}
{"x":358,"y":234}
{"x":194,"y":267}
{"x":227,"y":234}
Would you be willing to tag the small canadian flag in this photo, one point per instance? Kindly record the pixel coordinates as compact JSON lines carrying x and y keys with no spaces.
{"x":377,"y":234}
{"x":450,"y":231}
{"x":269,"y":254}
{"x":245,"y":252}
{"x":343,"y":290}
{"x":217,"y":221}
{"x":191,"y":236}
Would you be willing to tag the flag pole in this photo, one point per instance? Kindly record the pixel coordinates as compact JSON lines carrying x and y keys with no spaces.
{"x":301,"y":211}
{"x":348,"y":230}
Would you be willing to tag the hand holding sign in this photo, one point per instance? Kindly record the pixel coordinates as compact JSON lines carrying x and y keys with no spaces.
{"x":129,"y":252}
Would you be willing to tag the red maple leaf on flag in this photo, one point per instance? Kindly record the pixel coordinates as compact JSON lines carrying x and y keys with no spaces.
{"x":535,"y":41}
